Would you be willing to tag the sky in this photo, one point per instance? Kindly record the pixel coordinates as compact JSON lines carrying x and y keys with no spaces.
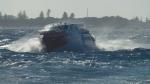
{"x":96,"y":8}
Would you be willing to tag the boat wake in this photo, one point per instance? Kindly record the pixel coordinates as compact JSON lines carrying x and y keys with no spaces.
{"x":120,"y":44}
{"x":34,"y":45}
{"x":104,"y":41}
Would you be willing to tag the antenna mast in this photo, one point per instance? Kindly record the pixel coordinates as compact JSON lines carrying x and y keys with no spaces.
{"x":87,"y":12}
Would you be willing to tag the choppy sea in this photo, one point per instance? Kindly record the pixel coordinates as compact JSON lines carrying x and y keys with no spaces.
{"x":124,"y":59}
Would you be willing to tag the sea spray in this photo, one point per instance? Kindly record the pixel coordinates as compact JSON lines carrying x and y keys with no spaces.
{"x":112,"y":39}
{"x":31,"y":42}
{"x":119,"y":44}
{"x":26,"y":45}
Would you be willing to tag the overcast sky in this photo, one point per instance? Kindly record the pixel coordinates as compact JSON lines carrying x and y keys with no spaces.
{"x":97,"y":8}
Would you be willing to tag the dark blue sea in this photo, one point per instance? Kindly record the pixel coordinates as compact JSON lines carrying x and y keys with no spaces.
{"x":124,"y":59}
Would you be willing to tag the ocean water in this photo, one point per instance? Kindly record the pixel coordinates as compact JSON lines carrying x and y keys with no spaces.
{"x":124,"y":59}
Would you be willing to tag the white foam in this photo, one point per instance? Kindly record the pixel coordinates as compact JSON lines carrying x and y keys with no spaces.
{"x":46,"y":28}
{"x":26,"y":45}
{"x":119,"y":44}
{"x":29,"y":43}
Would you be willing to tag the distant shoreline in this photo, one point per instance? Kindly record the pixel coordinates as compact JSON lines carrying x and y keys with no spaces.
{"x":113,"y":21}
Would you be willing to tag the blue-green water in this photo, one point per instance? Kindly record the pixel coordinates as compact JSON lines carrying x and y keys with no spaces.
{"x":104,"y":67}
